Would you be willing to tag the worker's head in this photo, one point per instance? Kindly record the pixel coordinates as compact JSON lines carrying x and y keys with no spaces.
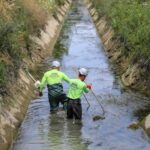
{"x":83,"y":73}
{"x":56,"y":65}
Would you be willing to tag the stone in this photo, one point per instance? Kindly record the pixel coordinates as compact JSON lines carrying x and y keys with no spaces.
{"x":147,"y":124}
{"x":95,"y":118}
{"x":134,"y":126}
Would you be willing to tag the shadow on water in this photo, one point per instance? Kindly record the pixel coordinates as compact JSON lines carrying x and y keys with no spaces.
{"x":59,"y":50}
{"x":79,"y":45}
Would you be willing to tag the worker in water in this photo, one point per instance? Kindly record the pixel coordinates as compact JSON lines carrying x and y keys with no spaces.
{"x":54,"y":79}
{"x":76,"y":89}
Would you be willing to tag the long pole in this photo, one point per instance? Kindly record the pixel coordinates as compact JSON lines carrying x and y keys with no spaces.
{"x":98,"y":102}
{"x":86,"y":99}
{"x":30,"y":75}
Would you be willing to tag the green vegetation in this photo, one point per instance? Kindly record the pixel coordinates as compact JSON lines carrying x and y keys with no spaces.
{"x":59,"y":50}
{"x":19,"y":20}
{"x":2,"y":73}
{"x":130,"y":20}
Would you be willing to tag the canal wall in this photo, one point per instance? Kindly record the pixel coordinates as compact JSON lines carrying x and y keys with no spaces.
{"x":130,"y":74}
{"x":13,"y":107}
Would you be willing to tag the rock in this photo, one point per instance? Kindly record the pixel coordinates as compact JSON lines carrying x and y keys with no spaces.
{"x":95,"y":118}
{"x":147,"y":124}
{"x":134,"y":126}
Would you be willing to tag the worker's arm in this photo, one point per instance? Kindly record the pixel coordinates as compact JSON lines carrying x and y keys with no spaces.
{"x":43,"y":83}
{"x":66,"y":78}
{"x":85,"y":89}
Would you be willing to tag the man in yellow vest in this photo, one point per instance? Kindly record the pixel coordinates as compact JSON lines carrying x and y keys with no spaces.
{"x":77,"y":88}
{"x":54,"y":79}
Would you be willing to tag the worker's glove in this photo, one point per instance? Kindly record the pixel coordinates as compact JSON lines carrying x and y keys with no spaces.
{"x":89,"y":87}
{"x":40,"y":94}
{"x":37,"y":84}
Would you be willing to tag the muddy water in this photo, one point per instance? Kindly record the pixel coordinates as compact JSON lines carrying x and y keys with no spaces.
{"x":79,"y":45}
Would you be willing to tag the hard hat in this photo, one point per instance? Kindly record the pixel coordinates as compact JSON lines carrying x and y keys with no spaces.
{"x":83,"y":71}
{"x":55,"y":64}
{"x":37,"y":84}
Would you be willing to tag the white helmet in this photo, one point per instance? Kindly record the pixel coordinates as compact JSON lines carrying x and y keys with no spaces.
{"x":55,"y":64}
{"x":83,"y":71}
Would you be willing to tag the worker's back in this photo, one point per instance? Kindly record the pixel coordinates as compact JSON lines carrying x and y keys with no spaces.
{"x":54,"y":79}
{"x":54,"y":76}
{"x":77,"y":87}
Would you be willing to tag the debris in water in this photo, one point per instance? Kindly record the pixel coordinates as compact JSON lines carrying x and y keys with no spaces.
{"x":134,"y":126}
{"x":99,"y":144}
{"x":95,"y":118}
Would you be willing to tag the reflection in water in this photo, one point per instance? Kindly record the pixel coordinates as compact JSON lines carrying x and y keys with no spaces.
{"x":79,"y":45}
{"x":65,"y":39}
{"x":64,"y":134}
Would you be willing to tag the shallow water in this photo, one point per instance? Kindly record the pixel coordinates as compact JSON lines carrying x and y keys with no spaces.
{"x":79,"y":45}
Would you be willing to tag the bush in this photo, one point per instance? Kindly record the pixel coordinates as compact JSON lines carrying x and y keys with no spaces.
{"x":19,"y":20}
{"x":2,"y":74}
{"x":130,"y":21}
{"x":102,"y":6}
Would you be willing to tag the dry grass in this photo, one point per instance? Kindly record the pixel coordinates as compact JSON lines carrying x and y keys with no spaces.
{"x":18,"y":20}
{"x":6,"y":10}
{"x":37,"y":13}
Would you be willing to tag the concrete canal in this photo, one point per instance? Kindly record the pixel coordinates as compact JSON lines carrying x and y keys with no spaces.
{"x":79,"y":45}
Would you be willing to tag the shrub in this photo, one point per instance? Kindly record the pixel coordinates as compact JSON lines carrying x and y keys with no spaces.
{"x":130,"y":21}
{"x":19,"y":20}
{"x":2,"y":74}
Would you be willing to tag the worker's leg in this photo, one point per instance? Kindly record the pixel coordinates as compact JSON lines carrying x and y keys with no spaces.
{"x":53,"y":101}
{"x":53,"y":104}
{"x":56,"y":92}
{"x":69,"y":110}
{"x":77,"y":110}
{"x":63,"y":100}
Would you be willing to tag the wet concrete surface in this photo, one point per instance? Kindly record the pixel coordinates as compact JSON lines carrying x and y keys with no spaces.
{"x":80,"y":46}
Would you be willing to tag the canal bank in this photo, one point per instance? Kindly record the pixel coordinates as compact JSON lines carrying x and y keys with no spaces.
{"x":13,"y":107}
{"x":80,"y":46}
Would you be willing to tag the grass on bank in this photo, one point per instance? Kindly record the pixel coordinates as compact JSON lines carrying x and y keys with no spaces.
{"x":19,"y":20}
{"x":130,"y":20}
